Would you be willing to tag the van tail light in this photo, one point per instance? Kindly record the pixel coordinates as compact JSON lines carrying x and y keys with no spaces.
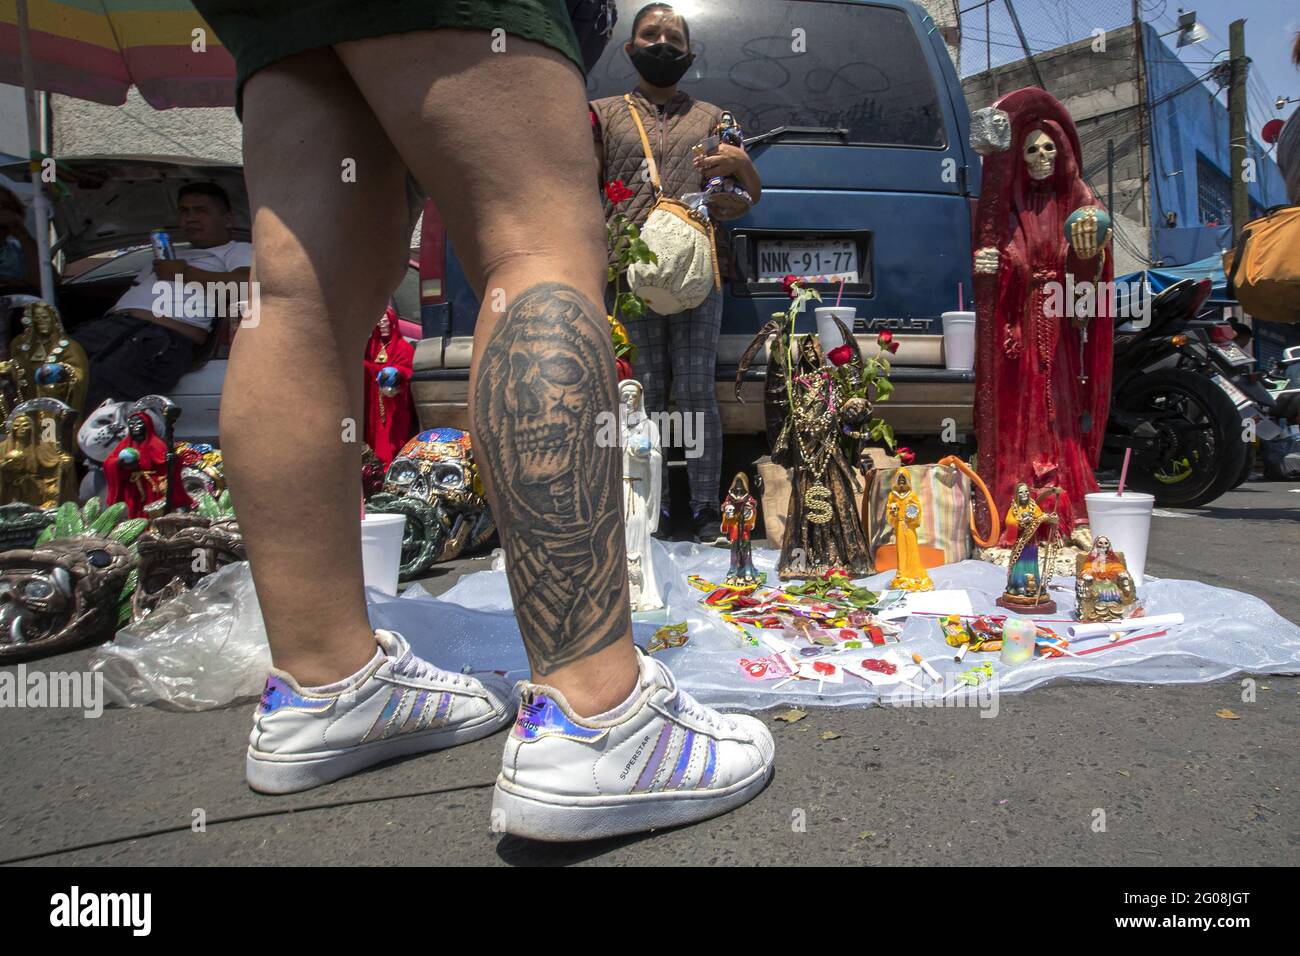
{"x":433,"y":257}
{"x":1222,"y":333}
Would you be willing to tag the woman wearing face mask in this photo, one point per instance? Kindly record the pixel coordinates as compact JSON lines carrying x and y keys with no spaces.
{"x":679,"y":348}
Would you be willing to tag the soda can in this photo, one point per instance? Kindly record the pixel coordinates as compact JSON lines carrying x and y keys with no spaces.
{"x":162,"y":244}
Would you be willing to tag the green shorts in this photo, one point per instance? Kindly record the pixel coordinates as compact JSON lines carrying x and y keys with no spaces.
{"x":259,"y":32}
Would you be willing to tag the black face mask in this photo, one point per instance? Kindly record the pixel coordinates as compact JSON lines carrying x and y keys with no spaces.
{"x":661,"y":64}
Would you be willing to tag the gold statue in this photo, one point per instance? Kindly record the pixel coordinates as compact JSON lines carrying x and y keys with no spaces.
{"x":34,"y":468}
{"x":43,"y":361}
{"x":1103,"y":587}
{"x":903,"y":512}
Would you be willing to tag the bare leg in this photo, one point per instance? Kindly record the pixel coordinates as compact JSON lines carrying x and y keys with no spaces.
{"x":503,"y":144}
{"x":327,"y":253}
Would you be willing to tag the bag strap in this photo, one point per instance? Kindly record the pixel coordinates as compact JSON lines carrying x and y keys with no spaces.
{"x":969,"y":472}
{"x":645,"y":142}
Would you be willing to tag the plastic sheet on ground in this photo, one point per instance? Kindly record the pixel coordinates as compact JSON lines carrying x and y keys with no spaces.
{"x":209,"y":648}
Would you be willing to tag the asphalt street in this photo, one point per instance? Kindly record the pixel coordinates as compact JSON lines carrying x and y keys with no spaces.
{"x":1075,"y":775}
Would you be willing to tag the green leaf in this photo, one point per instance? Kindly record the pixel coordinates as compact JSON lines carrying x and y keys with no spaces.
{"x":46,"y":535}
{"x":224,"y":501}
{"x":90,"y":511}
{"x":888,"y":431}
{"x":611,"y":274}
{"x":129,"y":530}
{"x":67,"y":520}
{"x":110,"y":517}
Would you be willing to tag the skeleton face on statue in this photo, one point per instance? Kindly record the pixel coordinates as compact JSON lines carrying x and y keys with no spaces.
{"x":1102,"y":545}
{"x":629,"y":396}
{"x":1022,"y":494}
{"x":1039,"y":154}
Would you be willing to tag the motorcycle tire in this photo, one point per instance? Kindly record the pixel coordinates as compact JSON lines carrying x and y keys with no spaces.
{"x":1216,"y":460}
{"x":1248,"y":469}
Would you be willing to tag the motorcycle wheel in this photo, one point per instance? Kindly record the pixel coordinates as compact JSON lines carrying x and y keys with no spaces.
{"x":1248,"y":469}
{"x":1202,"y":453}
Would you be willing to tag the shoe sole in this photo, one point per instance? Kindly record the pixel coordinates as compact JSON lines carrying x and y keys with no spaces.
{"x":267,"y":774}
{"x":537,"y":816}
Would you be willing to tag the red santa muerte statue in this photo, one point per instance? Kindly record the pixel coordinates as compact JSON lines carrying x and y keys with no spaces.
{"x":1042,"y":376}
{"x":390,"y":413}
{"x":140,"y":471}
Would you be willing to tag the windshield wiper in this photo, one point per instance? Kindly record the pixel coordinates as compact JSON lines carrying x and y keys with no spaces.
{"x":839,"y":131}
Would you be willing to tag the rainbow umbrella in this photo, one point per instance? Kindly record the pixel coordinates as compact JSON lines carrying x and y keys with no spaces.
{"x":96,"y":50}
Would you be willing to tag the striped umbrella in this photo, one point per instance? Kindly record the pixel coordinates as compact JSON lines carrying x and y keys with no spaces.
{"x":96,"y":50}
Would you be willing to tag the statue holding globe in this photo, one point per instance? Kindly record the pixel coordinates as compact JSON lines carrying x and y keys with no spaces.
{"x":1042,"y":365}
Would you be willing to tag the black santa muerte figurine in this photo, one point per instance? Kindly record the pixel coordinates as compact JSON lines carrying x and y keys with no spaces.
{"x":806,"y":413}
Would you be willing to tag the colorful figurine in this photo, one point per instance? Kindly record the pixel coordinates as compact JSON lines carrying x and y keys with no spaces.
{"x":1027,"y":575}
{"x":739,"y":513}
{"x":144,"y":470}
{"x":642,"y":483}
{"x":43,"y":362}
{"x":390,"y":411}
{"x":1103,"y":587}
{"x":903,"y":512}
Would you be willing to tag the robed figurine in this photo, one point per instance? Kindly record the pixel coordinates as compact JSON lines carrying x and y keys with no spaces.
{"x":643,"y":464}
{"x":390,"y":410}
{"x":903,"y":512}
{"x":1043,"y":361}
{"x":1028,"y":570}
{"x":34,"y":467}
{"x":739,"y":513}
{"x":1103,"y":587}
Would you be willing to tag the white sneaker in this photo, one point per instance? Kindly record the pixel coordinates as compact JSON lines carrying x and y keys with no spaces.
{"x":401,"y":705}
{"x":666,"y":761}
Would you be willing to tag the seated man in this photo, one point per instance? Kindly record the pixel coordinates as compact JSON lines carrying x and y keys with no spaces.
{"x":146,"y":342}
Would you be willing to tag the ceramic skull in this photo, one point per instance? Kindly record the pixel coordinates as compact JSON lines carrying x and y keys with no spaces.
{"x":1039,"y":154}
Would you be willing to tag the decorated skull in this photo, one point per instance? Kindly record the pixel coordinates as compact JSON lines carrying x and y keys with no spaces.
{"x":990,"y":131}
{"x":435,"y":483}
{"x":1039,"y":154}
{"x":60,"y":596}
{"x":180,"y":550}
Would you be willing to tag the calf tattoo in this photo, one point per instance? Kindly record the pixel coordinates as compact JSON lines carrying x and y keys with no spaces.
{"x":545,"y":376}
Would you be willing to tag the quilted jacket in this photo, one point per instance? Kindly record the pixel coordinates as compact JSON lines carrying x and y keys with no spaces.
{"x":672,"y":129}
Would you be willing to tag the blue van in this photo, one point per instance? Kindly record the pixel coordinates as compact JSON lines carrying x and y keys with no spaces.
{"x":856,"y":121}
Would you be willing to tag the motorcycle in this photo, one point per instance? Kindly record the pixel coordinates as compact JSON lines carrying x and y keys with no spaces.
{"x":1184,"y":400}
{"x":1282,"y":454}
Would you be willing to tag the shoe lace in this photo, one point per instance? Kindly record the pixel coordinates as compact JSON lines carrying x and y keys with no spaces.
{"x":419,"y":668}
{"x":686,"y":704}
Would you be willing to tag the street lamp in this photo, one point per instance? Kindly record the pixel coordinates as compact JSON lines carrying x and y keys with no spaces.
{"x":1189,"y":30}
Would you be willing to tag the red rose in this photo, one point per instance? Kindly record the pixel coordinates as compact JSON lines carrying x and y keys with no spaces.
{"x":788,"y":284}
{"x":840,"y":354}
{"x":886,"y":341}
{"x":616,"y":192}
{"x":624,"y":368}
{"x":905,"y":455}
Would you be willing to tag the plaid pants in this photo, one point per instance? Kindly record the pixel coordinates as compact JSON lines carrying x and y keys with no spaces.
{"x":680,"y":351}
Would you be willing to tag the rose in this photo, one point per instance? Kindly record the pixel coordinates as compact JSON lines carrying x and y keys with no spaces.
{"x":886,"y":341}
{"x":616,"y":192}
{"x":840,"y":354}
{"x":906,"y":455}
{"x":624,"y":368}
{"x":788,"y":284}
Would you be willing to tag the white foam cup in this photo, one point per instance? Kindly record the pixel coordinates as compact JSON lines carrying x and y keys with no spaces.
{"x":959,"y":340}
{"x":1126,"y":520}
{"x":828,"y":333}
{"x":381,"y":550}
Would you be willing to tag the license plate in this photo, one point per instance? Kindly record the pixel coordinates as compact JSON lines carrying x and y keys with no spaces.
{"x":813,"y":260}
{"x":1233,"y":392}
{"x":1233,"y":355}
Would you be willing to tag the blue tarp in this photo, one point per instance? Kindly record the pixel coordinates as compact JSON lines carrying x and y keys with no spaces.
{"x":1160,"y":279}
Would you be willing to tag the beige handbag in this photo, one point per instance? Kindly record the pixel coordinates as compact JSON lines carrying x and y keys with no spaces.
{"x":687,"y":267}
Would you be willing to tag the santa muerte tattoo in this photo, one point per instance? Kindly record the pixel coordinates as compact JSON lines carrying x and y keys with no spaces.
{"x":543,"y":380}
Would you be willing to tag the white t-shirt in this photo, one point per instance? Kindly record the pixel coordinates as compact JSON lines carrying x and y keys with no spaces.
{"x":193,"y":303}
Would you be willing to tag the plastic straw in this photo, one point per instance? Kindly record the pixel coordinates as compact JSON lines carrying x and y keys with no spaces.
{"x":1123,"y":472}
{"x":961,"y":301}
{"x":840,"y":294}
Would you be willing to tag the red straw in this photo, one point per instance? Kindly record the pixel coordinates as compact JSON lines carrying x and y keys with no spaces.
{"x":1123,"y":472}
{"x":841,"y":294}
{"x":961,"y":300}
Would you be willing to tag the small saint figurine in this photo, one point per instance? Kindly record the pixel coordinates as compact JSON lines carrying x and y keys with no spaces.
{"x":390,"y":409}
{"x":1026,"y":577}
{"x":34,"y":468}
{"x":739,"y":512}
{"x":903,"y":512}
{"x":1103,"y":587}
{"x":642,"y":480}
{"x":142,"y":470}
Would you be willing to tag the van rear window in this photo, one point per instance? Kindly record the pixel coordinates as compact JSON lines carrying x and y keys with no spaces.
{"x":814,"y":63}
